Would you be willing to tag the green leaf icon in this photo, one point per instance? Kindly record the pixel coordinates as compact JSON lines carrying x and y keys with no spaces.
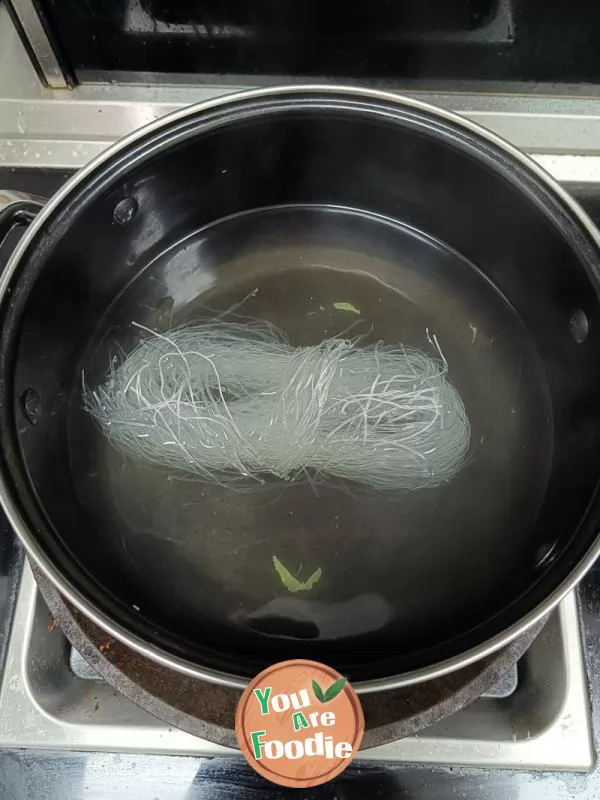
{"x":334,"y":689}
{"x":330,"y":693}
{"x":318,"y":692}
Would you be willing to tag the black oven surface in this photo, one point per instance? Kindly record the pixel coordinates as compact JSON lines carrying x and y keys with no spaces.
{"x":386,"y":40}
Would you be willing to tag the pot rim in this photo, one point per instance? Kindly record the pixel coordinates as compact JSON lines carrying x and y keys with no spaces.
{"x":155,"y":653}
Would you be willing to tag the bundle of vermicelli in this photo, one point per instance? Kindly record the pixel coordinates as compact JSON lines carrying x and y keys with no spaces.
{"x":226,"y":401}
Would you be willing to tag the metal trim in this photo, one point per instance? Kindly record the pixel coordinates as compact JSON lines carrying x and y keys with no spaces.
{"x":39,"y":43}
{"x":168,"y":659}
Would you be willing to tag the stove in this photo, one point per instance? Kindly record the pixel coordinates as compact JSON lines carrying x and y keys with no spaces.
{"x":538,"y":718}
{"x":50,"y":699}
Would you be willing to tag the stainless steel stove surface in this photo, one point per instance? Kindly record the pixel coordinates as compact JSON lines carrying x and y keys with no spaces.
{"x":51,"y":699}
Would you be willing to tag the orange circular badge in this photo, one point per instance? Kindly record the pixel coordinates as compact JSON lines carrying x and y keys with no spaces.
{"x":299,"y":723}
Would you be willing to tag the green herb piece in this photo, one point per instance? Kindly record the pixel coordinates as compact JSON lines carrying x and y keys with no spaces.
{"x":291,"y":583}
{"x":318,"y":692}
{"x":347,"y":307}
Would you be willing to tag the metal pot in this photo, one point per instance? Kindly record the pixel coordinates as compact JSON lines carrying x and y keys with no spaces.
{"x":312,"y":194}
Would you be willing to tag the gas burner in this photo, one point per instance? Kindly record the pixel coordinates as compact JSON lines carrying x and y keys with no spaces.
{"x":537,"y":718}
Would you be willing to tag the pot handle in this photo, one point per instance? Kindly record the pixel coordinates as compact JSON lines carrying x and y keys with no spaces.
{"x":17,"y":208}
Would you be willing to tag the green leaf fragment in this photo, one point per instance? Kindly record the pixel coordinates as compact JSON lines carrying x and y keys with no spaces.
{"x":318,"y":692}
{"x":291,"y":583}
{"x":347,"y":307}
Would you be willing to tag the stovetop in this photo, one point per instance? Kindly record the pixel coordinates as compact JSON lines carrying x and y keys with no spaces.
{"x":537,"y":718}
{"x":59,"y":723}
{"x":64,"y":733}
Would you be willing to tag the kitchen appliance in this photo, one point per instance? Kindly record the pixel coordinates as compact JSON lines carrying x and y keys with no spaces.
{"x":39,"y":129}
{"x":537,"y":718}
